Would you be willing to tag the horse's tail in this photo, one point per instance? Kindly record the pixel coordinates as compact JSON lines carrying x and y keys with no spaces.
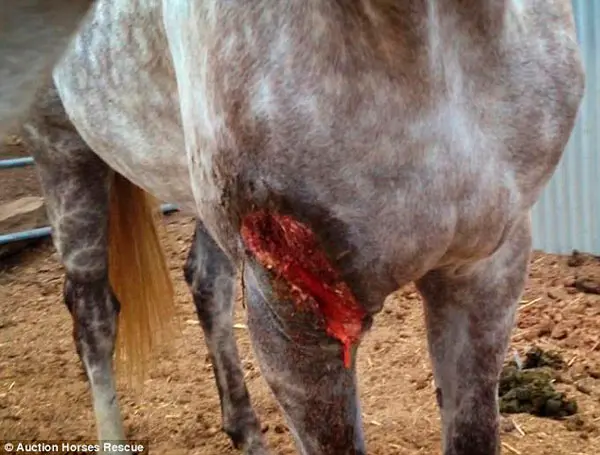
{"x":139,"y":277}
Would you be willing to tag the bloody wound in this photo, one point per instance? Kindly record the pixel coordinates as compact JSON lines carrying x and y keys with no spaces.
{"x":290,"y":249}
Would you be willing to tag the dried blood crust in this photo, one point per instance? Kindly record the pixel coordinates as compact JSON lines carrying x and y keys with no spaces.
{"x":290,"y":250}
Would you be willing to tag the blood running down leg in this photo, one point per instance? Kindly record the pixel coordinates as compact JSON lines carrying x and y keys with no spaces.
{"x":289,"y":250}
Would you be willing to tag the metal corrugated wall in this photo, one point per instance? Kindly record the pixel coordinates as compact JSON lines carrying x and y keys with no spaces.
{"x":567,"y":216}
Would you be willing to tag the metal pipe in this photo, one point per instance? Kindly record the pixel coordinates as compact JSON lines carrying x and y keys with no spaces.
{"x":38,"y":233}
{"x":31,"y":234}
{"x":16,"y":162}
{"x":168,"y":208}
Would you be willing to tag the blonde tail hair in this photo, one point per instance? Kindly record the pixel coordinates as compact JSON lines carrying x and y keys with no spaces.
{"x":139,"y":277}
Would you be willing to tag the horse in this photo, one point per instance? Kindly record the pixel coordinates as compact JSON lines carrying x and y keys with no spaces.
{"x":332,"y":151}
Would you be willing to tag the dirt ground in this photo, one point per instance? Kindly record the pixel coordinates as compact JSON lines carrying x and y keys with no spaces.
{"x":44,"y":394}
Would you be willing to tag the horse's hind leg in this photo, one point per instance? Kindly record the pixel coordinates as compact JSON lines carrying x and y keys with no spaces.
{"x":76,"y":185}
{"x":469,"y":317}
{"x":211,"y":278}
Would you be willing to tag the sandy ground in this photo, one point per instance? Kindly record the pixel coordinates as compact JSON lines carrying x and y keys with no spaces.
{"x":44,"y":393}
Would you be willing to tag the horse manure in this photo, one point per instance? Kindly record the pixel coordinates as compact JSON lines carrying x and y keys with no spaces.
{"x":530,"y":390}
{"x":538,"y":358}
{"x":576,"y":259}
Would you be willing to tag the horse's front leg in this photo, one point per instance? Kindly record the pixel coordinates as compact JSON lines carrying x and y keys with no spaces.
{"x":311,"y":373}
{"x":469,"y":317}
{"x":305,"y":370}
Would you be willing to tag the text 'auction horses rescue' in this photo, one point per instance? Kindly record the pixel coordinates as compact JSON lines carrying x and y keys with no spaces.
{"x":332,"y":152}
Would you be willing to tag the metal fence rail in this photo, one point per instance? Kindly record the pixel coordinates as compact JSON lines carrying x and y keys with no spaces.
{"x":38,"y":233}
{"x":16,"y":162}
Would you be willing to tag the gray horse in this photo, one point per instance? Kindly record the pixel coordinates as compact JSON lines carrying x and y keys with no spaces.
{"x":332,"y":151}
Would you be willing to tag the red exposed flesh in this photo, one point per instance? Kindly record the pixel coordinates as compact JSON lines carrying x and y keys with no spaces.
{"x":290,"y":250}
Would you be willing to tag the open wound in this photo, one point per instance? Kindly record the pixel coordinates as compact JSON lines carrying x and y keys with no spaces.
{"x":289,"y":249}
